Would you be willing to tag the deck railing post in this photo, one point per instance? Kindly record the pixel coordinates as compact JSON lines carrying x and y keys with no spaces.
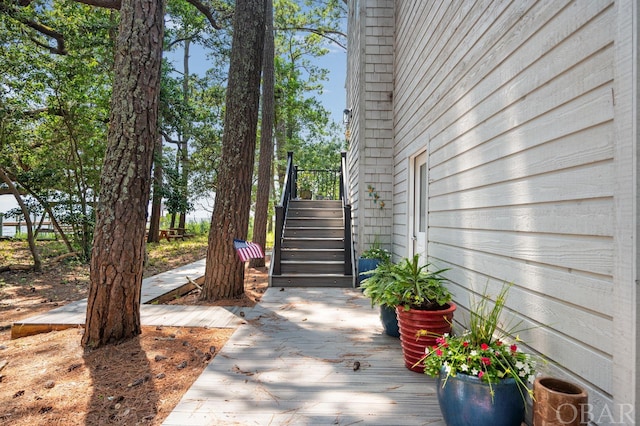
{"x":278,"y":240}
{"x":348,"y":261}
{"x":348,"y":248}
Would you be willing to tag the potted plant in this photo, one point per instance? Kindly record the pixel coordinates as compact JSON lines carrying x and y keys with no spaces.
{"x":370,"y":258}
{"x":305,"y":188}
{"x":422,"y":302}
{"x":481,"y":377}
{"x":374,"y":286}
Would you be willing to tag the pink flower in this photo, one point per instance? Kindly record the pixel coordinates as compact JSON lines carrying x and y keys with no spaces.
{"x":484,"y":346}
{"x":485,"y":360}
{"x":438,"y":352}
{"x":480,"y":374}
{"x":514,"y":348}
{"x":465,"y":344}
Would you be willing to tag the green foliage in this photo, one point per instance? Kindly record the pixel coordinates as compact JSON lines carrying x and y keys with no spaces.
{"x":377,"y":285}
{"x":407,"y":283}
{"x":54,"y":108}
{"x":483,"y":350}
{"x":376,"y":252}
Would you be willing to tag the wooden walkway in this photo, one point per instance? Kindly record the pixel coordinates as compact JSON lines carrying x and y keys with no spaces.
{"x":295,"y":362}
{"x":73,"y":314}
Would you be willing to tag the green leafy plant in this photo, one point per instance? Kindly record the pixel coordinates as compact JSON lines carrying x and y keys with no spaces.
{"x":483,"y":350}
{"x":376,"y":284}
{"x":407,"y":283}
{"x":376,"y":252}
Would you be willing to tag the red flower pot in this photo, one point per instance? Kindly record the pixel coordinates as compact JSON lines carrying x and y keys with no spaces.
{"x":411,"y":322}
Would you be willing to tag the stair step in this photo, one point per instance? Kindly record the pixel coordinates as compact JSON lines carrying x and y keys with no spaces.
{"x":312,"y":243}
{"x":308,"y":232}
{"x":312,"y":254}
{"x":314,"y":222}
{"x":311,"y":280}
{"x":312,"y":267}
{"x":315,"y":204}
{"x":312,"y":251}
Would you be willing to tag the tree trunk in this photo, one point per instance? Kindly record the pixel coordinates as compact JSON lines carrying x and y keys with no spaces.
{"x":156,"y":203}
{"x":186,"y":133}
{"x":280,"y":151}
{"x":31,"y":239}
{"x":266,"y":139}
{"x":113,"y":306}
{"x":224,"y":273}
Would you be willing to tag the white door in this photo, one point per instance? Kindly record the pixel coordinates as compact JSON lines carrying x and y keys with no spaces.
{"x":420,"y":206}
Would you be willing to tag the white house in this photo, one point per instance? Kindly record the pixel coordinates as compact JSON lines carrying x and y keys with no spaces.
{"x":499,"y":138}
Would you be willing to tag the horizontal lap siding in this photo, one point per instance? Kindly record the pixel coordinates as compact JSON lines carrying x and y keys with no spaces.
{"x":513,"y":101}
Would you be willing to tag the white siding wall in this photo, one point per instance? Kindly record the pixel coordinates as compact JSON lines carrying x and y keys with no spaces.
{"x":514,"y":102}
{"x":370,"y":96}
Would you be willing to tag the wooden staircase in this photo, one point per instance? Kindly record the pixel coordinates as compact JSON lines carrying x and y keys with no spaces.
{"x":312,"y":252}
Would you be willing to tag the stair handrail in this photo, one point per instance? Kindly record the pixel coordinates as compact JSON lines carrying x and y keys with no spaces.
{"x":288,"y":192}
{"x":348,"y":246}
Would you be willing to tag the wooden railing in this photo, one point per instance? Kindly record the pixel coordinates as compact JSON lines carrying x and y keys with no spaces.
{"x":316,"y":184}
{"x":288,"y":192}
{"x":330,"y":184}
{"x":348,"y":246}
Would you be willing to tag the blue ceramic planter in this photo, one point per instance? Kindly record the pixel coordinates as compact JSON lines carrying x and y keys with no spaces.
{"x":466,"y":401}
{"x":389,"y":321}
{"x":366,"y":265}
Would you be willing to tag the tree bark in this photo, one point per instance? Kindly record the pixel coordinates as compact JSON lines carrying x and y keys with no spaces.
{"x":266,"y":139}
{"x":224,"y":273}
{"x":113,"y":306}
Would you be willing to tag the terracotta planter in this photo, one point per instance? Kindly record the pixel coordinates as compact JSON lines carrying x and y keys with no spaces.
{"x":559,"y":402}
{"x":411,"y":322}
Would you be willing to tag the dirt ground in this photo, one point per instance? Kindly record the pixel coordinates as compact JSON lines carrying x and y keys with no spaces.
{"x":49,"y":378}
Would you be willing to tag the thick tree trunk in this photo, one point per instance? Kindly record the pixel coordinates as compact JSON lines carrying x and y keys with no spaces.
{"x":113,"y":307}
{"x":224,"y":273}
{"x":266,"y":139}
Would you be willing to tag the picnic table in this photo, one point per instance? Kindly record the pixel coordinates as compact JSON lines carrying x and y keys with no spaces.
{"x":174,"y":233}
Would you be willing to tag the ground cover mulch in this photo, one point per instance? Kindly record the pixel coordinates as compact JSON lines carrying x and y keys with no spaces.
{"x":50,"y":379}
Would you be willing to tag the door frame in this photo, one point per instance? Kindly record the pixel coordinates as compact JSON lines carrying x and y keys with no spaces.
{"x":412,"y":200}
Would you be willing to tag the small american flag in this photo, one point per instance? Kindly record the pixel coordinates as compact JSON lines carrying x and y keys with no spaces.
{"x":247,"y":250}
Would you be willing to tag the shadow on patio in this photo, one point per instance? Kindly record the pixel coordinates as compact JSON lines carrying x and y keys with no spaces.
{"x":310,"y":356}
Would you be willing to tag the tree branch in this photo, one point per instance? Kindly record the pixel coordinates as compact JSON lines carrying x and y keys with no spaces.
{"x":42,"y":29}
{"x":322,"y":33}
{"x":206,"y":12}
{"x":166,"y":136}
{"x":107,"y":4}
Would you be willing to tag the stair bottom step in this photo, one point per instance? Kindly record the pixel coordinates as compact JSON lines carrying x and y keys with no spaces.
{"x":314,"y":280}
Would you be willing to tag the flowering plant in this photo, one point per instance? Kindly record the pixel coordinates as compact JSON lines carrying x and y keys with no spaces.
{"x":482,"y":351}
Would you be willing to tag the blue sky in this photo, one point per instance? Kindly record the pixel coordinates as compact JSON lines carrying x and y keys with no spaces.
{"x":333,"y":97}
